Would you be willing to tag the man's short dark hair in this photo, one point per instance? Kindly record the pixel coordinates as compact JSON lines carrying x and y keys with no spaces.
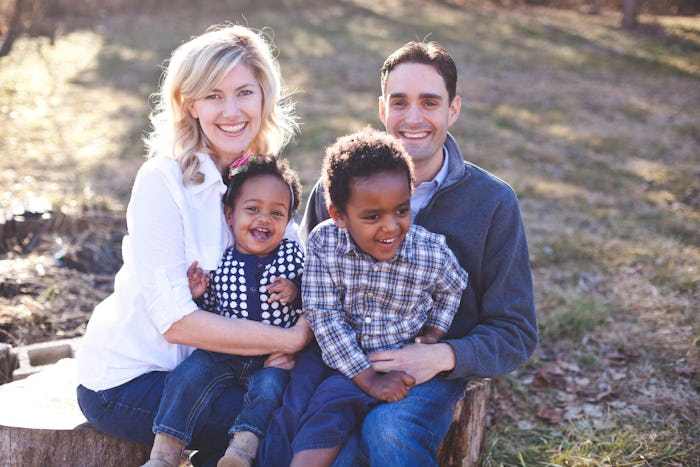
{"x":359,"y":155}
{"x":427,"y":53}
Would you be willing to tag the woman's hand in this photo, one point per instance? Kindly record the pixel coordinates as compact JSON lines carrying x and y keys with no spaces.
{"x":284,"y":361}
{"x":299,"y":335}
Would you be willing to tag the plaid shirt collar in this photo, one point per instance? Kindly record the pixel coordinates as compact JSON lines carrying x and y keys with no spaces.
{"x":347,"y":246}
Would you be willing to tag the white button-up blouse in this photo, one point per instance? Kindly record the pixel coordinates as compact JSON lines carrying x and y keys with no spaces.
{"x":169,"y":226}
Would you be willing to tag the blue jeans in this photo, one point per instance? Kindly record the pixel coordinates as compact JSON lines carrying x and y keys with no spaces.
{"x":191,"y":388}
{"x":406,"y":433}
{"x":127,"y":411}
{"x":336,"y":408}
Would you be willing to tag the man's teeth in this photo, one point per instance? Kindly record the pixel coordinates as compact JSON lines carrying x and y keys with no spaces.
{"x":422,"y":134}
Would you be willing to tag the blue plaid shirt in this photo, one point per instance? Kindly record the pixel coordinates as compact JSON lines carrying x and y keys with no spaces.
{"x":357,"y":305}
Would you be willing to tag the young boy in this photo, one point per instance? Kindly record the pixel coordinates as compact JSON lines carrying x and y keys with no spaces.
{"x":372,"y":282}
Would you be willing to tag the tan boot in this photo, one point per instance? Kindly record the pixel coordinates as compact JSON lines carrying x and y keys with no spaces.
{"x":166,"y":452}
{"x":241,"y":451}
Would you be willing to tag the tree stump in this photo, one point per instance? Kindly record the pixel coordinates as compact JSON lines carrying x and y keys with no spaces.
{"x":42,"y":425}
{"x":464,"y":441}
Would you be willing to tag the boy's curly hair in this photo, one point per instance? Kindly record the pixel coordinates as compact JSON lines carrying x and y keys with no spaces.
{"x":264,"y":165}
{"x":358,"y":155}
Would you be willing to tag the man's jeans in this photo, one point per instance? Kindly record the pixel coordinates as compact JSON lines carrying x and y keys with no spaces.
{"x":191,"y":388}
{"x":406,"y":433}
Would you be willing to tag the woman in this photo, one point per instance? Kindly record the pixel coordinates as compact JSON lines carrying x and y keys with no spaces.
{"x":221,"y":97}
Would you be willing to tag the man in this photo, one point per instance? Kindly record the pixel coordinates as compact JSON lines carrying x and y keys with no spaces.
{"x":495,"y":328}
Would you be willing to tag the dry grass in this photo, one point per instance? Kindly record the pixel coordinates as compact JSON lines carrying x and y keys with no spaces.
{"x":598,"y":131}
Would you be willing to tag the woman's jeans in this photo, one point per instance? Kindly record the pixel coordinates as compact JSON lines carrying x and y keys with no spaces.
{"x":192,"y":387}
{"x":127,"y":411}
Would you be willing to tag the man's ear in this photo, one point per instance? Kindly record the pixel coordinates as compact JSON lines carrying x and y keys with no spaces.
{"x":337,"y":216}
{"x":455,"y":108}
{"x":382,"y":110}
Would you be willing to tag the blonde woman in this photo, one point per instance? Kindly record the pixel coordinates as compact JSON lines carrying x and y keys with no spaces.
{"x":221,"y":97}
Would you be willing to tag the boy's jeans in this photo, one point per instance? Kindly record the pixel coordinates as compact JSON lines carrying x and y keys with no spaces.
{"x":406,"y":433}
{"x":200,"y":379}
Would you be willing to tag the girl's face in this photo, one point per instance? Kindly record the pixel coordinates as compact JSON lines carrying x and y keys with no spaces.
{"x":231,"y":114}
{"x":259,"y":215}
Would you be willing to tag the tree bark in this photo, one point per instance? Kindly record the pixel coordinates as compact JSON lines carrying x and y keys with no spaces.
{"x":630,"y":9}
{"x":41,"y":424}
{"x":464,"y":441}
{"x":14,"y":29}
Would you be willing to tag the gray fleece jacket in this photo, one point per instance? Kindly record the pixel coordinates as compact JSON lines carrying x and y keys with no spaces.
{"x":495,"y":328}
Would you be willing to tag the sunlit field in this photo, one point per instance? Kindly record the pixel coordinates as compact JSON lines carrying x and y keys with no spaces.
{"x":597,"y":129}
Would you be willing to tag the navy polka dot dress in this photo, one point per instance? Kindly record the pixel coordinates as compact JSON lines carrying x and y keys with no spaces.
{"x":237,"y":289}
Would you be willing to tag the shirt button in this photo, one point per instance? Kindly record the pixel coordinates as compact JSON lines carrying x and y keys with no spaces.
{"x":365,"y":337}
{"x":368,"y":319}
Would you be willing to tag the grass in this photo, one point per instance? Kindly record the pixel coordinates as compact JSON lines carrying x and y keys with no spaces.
{"x":596,"y":129}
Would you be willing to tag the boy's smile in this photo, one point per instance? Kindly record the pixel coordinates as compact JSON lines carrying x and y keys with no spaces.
{"x":378,"y":213}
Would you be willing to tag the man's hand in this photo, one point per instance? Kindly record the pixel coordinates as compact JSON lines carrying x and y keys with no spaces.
{"x":422,"y":361}
{"x":389,"y":387}
{"x":197,"y":280}
{"x":282,"y":290}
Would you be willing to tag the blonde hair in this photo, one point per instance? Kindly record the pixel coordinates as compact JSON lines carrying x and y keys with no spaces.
{"x":193,"y":70}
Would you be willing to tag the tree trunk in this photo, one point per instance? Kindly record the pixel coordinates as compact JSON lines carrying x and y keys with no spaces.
{"x":13,"y":30}
{"x":630,"y":8}
{"x":464,"y":441}
{"x":41,"y":425}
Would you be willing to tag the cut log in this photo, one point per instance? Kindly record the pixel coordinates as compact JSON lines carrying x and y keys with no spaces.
{"x":41,"y":424}
{"x":464,"y":441}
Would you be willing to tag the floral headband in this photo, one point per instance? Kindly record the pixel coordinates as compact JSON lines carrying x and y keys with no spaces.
{"x":243,"y":164}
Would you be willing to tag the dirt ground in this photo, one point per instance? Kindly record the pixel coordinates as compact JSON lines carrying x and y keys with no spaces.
{"x":55,"y":269}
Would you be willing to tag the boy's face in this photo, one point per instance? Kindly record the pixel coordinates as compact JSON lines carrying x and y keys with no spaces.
{"x":378,"y":213}
{"x":260,"y":214}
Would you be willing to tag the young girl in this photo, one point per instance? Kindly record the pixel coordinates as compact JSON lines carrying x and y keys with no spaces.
{"x":257,"y":279}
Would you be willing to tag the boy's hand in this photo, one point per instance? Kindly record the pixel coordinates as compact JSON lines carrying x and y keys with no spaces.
{"x":427,"y":339}
{"x":282,"y":290}
{"x":389,"y":387}
{"x":197,"y":280}
{"x":429,"y":335}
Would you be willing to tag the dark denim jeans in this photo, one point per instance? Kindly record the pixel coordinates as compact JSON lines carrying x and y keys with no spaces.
{"x":191,"y":388}
{"x":128,"y":411}
{"x":406,"y":433}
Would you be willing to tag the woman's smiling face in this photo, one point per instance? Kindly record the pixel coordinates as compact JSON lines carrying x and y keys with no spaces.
{"x":230,"y":115}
